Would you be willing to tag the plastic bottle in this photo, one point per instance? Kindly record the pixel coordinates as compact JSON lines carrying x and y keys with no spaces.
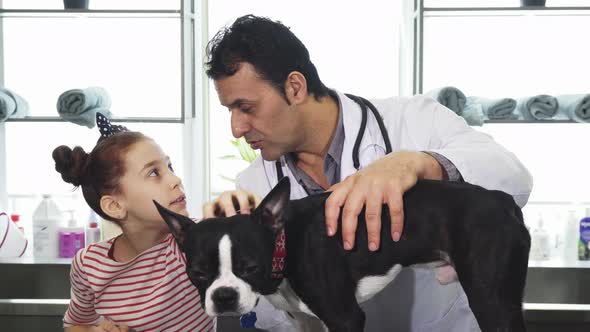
{"x":71,"y":238}
{"x":539,"y":242}
{"x":584,"y":237}
{"x":46,"y":219}
{"x":570,"y":249}
{"x":92,"y":230}
{"x":15,"y":219}
{"x":12,"y":242}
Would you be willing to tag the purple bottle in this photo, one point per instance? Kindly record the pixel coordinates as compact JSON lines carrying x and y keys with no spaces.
{"x":70,"y":239}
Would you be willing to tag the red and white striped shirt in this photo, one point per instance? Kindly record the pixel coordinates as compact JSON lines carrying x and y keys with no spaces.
{"x":148,"y":293}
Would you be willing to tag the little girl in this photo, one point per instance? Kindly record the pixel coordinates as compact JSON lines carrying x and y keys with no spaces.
{"x":136,"y":281}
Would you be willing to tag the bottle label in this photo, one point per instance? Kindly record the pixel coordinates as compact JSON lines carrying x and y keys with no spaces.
{"x":41,"y":237}
{"x":584,"y":242}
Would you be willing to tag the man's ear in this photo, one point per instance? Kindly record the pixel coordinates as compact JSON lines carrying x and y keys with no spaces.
{"x":272,"y":211}
{"x":296,"y":88}
{"x":177,"y":223}
{"x":113,"y":207}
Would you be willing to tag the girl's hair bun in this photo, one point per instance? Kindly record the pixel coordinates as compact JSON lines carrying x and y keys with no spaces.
{"x":71,"y":164}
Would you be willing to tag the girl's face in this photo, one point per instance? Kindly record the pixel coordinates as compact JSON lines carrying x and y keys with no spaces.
{"x":149,"y":176}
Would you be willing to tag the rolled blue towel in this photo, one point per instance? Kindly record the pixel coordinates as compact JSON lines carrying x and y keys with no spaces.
{"x":495,"y":109}
{"x":80,"y":105}
{"x":449,"y":96}
{"x":576,"y":107}
{"x":12,"y":105}
{"x":473,"y":114}
{"x":539,"y":107}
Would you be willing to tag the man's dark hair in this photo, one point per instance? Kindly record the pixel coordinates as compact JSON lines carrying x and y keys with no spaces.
{"x":269,"y":46}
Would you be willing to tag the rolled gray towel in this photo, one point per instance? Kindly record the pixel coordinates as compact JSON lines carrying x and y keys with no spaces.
{"x":12,"y":105}
{"x":449,"y":96}
{"x":495,"y":109}
{"x":80,"y":105}
{"x":473,"y":114}
{"x":539,"y":107}
{"x":576,"y":107}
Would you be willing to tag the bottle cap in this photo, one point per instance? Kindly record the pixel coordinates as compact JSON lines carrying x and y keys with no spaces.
{"x":15,"y":217}
{"x":93,"y":217}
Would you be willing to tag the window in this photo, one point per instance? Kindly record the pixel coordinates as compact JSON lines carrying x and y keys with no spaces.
{"x":354,"y":51}
{"x":136,"y":59}
{"x":133,"y":48}
{"x":517,"y":54}
{"x":95,"y":4}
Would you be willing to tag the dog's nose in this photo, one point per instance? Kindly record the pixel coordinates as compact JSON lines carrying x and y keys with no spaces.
{"x":225,"y":299}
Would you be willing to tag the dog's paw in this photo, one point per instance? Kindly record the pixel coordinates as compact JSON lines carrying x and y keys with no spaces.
{"x":446,"y":274}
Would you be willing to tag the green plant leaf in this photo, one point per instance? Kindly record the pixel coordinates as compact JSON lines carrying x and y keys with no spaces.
{"x":245,"y":150}
{"x":230,"y":157}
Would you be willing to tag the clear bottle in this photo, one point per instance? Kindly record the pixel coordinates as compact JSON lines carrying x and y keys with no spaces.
{"x":540,"y":246}
{"x":46,"y":218}
{"x":570,"y":249}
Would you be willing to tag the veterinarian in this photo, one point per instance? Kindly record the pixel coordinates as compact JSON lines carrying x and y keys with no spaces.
{"x":323,"y":139}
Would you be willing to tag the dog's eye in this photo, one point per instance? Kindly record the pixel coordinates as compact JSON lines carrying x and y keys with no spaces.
{"x":198,"y":274}
{"x":251,"y":269}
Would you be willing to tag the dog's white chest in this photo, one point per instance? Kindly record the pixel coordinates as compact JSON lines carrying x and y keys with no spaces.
{"x":286,"y":299}
{"x":371,"y":285}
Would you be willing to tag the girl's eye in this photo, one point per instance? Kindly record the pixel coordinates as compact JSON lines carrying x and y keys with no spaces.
{"x":170,"y":167}
{"x":154,"y":172}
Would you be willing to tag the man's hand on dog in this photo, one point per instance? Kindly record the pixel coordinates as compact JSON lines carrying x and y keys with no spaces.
{"x":383,"y":182}
{"x":229,"y":203}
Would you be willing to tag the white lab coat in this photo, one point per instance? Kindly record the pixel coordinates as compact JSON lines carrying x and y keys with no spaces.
{"x":414,"y":301}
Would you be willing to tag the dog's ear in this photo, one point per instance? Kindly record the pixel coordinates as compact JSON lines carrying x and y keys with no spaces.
{"x":177,"y":223}
{"x":272,"y":211}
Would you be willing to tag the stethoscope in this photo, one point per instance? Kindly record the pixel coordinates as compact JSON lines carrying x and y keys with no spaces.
{"x":363,"y":103}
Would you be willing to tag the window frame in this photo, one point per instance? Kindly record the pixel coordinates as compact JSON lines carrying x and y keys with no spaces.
{"x":193,"y":87}
{"x":420,"y":11}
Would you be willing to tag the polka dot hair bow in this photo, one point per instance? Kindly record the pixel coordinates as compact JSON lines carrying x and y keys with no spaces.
{"x":106,"y":128}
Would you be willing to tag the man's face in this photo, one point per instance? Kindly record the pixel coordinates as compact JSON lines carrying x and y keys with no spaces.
{"x":259,"y":113}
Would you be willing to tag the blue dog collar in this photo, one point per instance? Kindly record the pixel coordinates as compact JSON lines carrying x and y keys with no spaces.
{"x":248,"y":320}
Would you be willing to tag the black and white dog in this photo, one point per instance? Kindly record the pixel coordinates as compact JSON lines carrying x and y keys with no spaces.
{"x":235,"y":260}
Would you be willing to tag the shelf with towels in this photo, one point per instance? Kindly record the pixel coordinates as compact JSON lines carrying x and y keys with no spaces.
{"x":530,"y":121}
{"x":114,"y":119}
{"x":505,"y":11}
{"x":559,"y":264}
{"x":57,"y":13}
{"x":501,"y":27}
